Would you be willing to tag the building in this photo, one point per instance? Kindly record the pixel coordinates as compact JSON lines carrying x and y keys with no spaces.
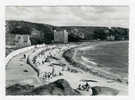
{"x":111,"y":37}
{"x":22,"y":40}
{"x":65,"y":36}
{"x":18,"y":37}
{"x":61,"y":36}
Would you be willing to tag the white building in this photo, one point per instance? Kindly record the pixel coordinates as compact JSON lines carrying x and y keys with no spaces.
{"x":22,"y":40}
{"x":61,"y":36}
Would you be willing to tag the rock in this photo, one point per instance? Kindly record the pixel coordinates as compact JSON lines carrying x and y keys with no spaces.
{"x":25,"y":70}
{"x":59,"y":87}
{"x":97,"y":90}
{"x":18,"y":89}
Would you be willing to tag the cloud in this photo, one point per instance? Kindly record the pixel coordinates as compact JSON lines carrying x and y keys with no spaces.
{"x":71,"y":15}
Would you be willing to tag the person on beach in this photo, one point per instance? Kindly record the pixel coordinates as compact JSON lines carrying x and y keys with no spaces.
{"x":84,"y":86}
{"x":24,"y":56}
{"x":87,"y":86}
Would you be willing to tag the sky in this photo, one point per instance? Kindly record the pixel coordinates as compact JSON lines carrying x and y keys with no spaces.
{"x":110,"y":16}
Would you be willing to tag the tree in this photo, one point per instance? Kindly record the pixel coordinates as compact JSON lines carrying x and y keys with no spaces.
{"x":119,"y":33}
{"x":100,"y":34}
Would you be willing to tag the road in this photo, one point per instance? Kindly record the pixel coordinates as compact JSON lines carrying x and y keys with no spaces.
{"x":18,"y":71}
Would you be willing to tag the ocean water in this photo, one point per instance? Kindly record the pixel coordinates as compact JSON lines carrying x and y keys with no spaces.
{"x":110,"y":56}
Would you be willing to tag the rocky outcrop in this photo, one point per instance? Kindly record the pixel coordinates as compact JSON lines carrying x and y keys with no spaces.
{"x":18,"y":89}
{"x":98,"y":90}
{"x":59,"y":87}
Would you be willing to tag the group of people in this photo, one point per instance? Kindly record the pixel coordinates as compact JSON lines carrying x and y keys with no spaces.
{"x":44,"y":58}
{"x":49,"y":75}
{"x":84,"y":86}
{"x":48,"y":70}
{"x":50,"y":51}
{"x":45,"y":75}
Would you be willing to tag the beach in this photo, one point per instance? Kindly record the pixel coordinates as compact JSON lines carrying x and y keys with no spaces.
{"x":77,"y":70}
{"x":102,"y":74}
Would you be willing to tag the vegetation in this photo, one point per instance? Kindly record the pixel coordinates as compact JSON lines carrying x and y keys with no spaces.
{"x":76,"y":33}
{"x":100,"y":34}
{"x":44,"y":35}
{"x":117,"y":32}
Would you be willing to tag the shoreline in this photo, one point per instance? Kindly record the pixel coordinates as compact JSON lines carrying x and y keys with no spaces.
{"x":76,"y":77}
{"x":70,"y":56}
{"x":90,"y":66}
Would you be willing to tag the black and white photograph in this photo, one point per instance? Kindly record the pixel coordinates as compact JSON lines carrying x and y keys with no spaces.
{"x":67,"y":50}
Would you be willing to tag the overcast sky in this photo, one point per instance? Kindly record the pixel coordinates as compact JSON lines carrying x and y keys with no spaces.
{"x":73,"y":15}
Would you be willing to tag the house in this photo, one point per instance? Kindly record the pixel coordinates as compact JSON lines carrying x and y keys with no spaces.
{"x":22,"y":40}
{"x":111,"y":37}
{"x":61,"y":36}
{"x":20,"y":36}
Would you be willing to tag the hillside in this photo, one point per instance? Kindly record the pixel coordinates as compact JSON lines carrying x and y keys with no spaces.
{"x":22,"y":27}
{"x":45,"y":32}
